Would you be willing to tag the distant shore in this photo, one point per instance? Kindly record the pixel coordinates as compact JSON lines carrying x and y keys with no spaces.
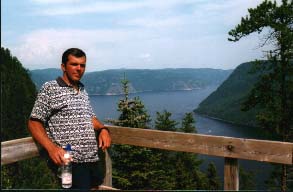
{"x":226,"y":121}
{"x":145,"y":91}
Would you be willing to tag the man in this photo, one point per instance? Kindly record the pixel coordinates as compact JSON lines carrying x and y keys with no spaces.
{"x":62,"y":115}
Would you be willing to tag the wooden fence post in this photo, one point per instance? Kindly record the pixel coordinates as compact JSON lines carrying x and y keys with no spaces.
{"x":108,"y":176}
{"x":231,"y":174}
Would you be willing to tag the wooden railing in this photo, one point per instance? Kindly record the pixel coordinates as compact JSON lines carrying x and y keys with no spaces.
{"x":229,"y":148}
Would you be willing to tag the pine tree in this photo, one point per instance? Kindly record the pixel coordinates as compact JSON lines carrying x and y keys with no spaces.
{"x":273,"y":182}
{"x":164,"y":123}
{"x":133,"y":166}
{"x":214,"y":182}
{"x":188,"y":124}
{"x":273,"y":93}
{"x":246,"y":179}
{"x":166,"y":168}
{"x":133,"y":112}
{"x":188,"y":174}
{"x":17,"y":97}
{"x":180,"y":170}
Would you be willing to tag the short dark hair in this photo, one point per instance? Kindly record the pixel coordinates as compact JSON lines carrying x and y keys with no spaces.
{"x":76,"y":52}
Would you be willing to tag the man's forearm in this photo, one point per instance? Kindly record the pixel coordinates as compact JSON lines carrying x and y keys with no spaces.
{"x":97,"y":124}
{"x":38,"y":132}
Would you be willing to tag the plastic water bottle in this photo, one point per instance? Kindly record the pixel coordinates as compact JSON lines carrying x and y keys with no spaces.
{"x":66,"y":174}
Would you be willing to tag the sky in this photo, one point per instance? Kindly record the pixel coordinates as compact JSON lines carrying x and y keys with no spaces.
{"x":131,"y":34}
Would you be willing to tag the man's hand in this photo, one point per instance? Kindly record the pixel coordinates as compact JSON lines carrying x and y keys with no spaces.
{"x":38,"y":132}
{"x":104,"y":139}
{"x":57,"y":155}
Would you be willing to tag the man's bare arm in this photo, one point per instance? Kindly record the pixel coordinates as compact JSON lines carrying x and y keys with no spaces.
{"x":104,"y":137}
{"x":38,"y":132}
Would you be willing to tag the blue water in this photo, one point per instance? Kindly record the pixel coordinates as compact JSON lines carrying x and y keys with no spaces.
{"x":179,"y":103}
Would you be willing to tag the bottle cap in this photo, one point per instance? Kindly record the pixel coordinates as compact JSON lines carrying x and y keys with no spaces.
{"x":68,"y":147}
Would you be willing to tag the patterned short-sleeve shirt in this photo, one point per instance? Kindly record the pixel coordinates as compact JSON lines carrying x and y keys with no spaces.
{"x":67,"y":117}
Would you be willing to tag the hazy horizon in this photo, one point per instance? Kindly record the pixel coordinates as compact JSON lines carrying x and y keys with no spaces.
{"x":145,"y":34}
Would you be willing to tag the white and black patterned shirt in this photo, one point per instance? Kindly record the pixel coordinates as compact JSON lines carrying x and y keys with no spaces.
{"x":67,"y":117}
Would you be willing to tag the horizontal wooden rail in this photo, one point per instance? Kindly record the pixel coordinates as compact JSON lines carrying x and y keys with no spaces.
{"x":25,"y":148}
{"x":229,"y":148}
{"x":251,"y":149}
{"x":17,"y":150}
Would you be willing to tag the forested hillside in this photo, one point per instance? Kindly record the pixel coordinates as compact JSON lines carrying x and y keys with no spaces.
{"x":142,"y":80}
{"x":17,"y":97}
{"x":18,"y":93}
{"x":225,"y":102}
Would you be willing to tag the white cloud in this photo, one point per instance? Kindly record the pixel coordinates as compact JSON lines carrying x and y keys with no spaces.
{"x":107,"y":49}
{"x":153,"y":22}
{"x":94,"y":7}
{"x":145,"y":56}
{"x":54,"y":1}
{"x":80,"y":7}
{"x":159,"y":35}
{"x":43,"y":48}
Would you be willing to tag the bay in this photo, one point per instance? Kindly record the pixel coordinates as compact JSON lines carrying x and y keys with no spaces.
{"x":179,"y":103}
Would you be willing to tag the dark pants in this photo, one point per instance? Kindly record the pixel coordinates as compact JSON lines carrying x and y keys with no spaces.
{"x":84,"y":175}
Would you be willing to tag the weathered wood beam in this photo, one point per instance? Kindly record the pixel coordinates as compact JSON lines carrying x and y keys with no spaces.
{"x":230,"y":148}
{"x":231,"y":174}
{"x":239,"y":148}
{"x":108,"y":175}
{"x":251,"y":149}
{"x":17,"y":150}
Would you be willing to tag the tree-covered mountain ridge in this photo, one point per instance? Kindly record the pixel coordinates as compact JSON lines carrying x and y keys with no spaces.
{"x":108,"y":82}
{"x":226,"y":101}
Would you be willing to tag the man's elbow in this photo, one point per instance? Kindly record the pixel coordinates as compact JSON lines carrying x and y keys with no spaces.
{"x":32,"y":124}
{"x":29,"y":125}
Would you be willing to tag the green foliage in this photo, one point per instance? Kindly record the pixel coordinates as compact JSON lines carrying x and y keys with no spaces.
{"x":6,"y":182}
{"x":214,"y":182}
{"x":273,"y":92}
{"x":260,"y":93}
{"x":181,"y":169}
{"x":132,"y":165}
{"x":133,"y":112}
{"x":17,"y":98}
{"x":246,"y":179}
{"x":187,"y":173}
{"x":29,"y":174}
{"x":274,"y":181}
{"x":138,"y":168}
{"x":164,"y":123}
{"x":267,"y":15}
{"x":188,"y":124}
{"x":225,"y":103}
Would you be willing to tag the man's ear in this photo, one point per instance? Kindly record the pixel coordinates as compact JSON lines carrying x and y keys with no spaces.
{"x":63,"y":67}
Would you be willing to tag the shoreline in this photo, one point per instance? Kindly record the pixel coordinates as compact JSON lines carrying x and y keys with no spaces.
{"x":146,"y":91}
{"x":225,"y":121}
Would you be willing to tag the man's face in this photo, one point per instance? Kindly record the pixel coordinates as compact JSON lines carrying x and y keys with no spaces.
{"x":74,"y":68}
